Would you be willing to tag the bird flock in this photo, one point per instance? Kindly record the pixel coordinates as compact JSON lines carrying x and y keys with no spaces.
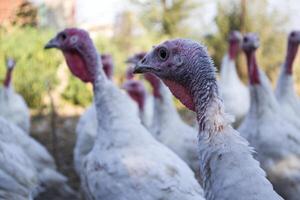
{"x":133,"y":145}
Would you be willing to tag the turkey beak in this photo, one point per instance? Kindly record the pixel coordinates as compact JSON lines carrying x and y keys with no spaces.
{"x":142,"y":68}
{"x":53,"y":43}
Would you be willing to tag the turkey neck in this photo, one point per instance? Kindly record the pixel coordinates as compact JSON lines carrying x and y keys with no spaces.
{"x":8,"y":77}
{"x":261,"y":94}
{"x":285,"y":84}
{"x":290,"y":57}
{"x":113,"y":107}
{"x":233,"y":49}
{"x":252,"y":67}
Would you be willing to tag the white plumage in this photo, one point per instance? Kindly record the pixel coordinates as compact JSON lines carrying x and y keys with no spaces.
{"x":12,"y":105}
{"x":127,"y":162}
{"x":39,"y":157}
{"x":274,"y":138}
{"x":86,"y":131}
{"x":233,"y":91}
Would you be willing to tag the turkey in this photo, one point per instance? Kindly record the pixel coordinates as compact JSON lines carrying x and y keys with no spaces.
{"x":18,"y":175}
{"x":12,"y":105}
{"x":232,"y":90}
{"x":148,"y":112}
{"x":126,"y":162}
{"x":227,"y":166}
{"x":136,"y":90}
{"x":285,"y":91}
{"x":274,"y":138}
{"x":168,"y":127}
{"x":36,"y":160}
{"x":86,"y":129}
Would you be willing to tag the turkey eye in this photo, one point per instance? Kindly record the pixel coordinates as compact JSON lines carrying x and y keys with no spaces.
{"x":63,"y":36}
{"x":245,"y":40}
{"x":163,"y":53}
{"x":293,"y":34}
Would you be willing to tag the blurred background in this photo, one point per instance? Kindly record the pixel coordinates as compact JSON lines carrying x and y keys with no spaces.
{"x":124,"y":27}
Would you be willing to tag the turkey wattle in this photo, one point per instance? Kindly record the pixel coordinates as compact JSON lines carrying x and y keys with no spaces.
{"x":86,"y":129}
{"x":168,"y":127}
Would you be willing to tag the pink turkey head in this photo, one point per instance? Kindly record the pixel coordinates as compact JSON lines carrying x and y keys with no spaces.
{"x":79,"y":52}
{"x":155,"y":83}
{"x":108,"y":65}
{"x":250,"y":45}
{"x":234,"y":40}
{"x":293,"y":45}
{"x":10,"y":63}
{"x":136,"y":91}
{"x":179,"y":63}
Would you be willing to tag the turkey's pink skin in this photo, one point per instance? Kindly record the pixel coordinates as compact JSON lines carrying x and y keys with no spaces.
{"x":77,"y":65}
{"x":8,"y":76}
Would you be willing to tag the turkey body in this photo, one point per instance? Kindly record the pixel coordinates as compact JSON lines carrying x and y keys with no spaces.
{"x":14,"y":108}
{"x":274,"y":138}
{"x":287,"y":98}
{"x":39,"y":157}
{"x":18,"y":175}
{"x":126,"y":162}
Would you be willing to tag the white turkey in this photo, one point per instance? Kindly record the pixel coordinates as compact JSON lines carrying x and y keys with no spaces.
{"x":149,"y":100}
{"x":126,"y":162}
{"x":274,"y":138}
{"x":12,"y":105}
{"x":168,"y":127}
{"x":233,"y":91}
{"x":285,"y":90}
{"x":227,"y":166}
{"x":18,"y":175}
{"x":86,"y":129}
{"x":48,"y":177}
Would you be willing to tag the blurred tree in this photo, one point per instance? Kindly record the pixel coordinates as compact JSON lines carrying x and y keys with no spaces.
{"x":165,"y":16}
{"x":255,"y":17}
{"x":26,"y":15}
{"x":34,"y":66}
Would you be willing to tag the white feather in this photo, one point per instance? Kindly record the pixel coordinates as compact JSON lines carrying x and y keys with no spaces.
{"x":233,"y":92}
{"x":14,"y":108}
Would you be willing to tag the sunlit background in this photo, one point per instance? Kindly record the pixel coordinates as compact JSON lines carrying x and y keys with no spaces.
{"x":124,"y":27}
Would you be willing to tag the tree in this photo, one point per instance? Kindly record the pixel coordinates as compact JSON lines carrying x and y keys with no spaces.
{"x":250,"y":16}
{"x":165,"y":16}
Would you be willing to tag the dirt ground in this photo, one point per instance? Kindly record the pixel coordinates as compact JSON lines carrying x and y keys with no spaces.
{"x":62,"y":151}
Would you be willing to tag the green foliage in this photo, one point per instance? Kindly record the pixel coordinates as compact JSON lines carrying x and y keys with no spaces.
{"x":77,"y":92}
{"x":249,"y":17}
{"x":34,"y":66}
{"x":165,"y":17}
